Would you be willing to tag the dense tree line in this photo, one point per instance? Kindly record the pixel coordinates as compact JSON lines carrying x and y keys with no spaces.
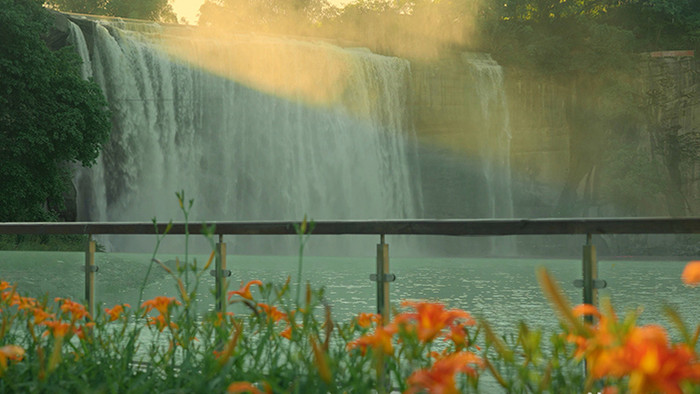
{"x":155,"y":10}
{"x":49,"y":116}
{"x":522,"y":31}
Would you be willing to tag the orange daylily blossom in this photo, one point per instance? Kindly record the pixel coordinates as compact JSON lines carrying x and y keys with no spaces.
{"x":244,"y":291}
{"x":160,"y":323}
{"x":272,"y":312}
{"x":440,"y":378}
{"x":379,"y":340}
{"x":653,"y":364}
{"x":287,"y":332}
{"x":160,"y":303}
{"x":243,"y":387}
{"x":58,"y":329}
{"x":458,"y":335}
{"x":81,"y":331}
{"x":9,"y":352}
{"x":41,"y":315}
{"x":585,"y":310}
{"x":593,"y":339}
{"x":76,"y":310}
{"x":691,"y":273}
{"x":365,"y":320}
{"x":23,"y":302}
{"x":642,"y":353}
{"x":116,"y":312}
{"x":431,"y":318}
{"x":4,"y":285}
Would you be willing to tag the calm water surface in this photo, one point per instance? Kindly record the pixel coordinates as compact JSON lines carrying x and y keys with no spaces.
{"x":504,"y":291}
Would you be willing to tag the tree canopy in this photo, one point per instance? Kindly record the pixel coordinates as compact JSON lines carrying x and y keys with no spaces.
{"x":154,"y":10}
{"x":551,"y":36}
{"x":49,"y":116}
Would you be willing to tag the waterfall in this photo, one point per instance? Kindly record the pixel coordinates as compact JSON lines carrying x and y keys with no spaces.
{"x":244,"y":153}
{"x":494,"y":146}
{"x":268,"y":128}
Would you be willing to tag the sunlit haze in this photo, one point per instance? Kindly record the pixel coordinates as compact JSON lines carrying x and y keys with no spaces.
{"x":187,"y":9}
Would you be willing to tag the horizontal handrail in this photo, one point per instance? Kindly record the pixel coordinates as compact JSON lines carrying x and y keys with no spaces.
{"x":455,"y":227}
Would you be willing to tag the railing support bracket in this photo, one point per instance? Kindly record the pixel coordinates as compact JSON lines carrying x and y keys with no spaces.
{"x":383,"y":277}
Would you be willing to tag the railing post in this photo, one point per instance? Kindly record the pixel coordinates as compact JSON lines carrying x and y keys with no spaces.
{"x":221,"y":274}
{"x":590,"y":275}
{"x":383,"y":308}
{"x":383,"y":277}
{"x":90,"y":270}
{"x":590,"y":282}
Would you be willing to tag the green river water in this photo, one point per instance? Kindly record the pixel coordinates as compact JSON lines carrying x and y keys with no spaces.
{"x":502,"y":290}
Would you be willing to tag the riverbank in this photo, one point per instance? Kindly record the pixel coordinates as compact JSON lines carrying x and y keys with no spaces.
{"x":45,"y":242}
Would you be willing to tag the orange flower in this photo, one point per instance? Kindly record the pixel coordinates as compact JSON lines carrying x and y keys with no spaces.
{"x":244,"y":291}
{"x":4,"y":285}
{"x":40,"y":315}
{"x":585,"y":310}
{"x":116,"y":312}
{"x":365,"y":320}
{"x":380,"y":340}
{"x":641,"y":353}
{"x":458,"y":335}
{"x":431,"y":317}
{"x":287,"y":332}
{"x":58,"y":328}
{"x":76,"y":310}
{"x":440,"y":378}
{"x":272,"y":312}
{"x":243,"y":387}
{"x":160,"y":303}
{"x":81,"y":331}
{"x":160,"y":323}
{"x":691,"y":273}
{"x":23,"y":302}
{"x":10,"y":352}
{"x":656,"y":366}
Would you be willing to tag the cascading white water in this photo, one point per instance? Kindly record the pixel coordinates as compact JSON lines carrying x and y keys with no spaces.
{"x":243,"y":153}
{"x":263,"y":128}
{"x":494,"y":146}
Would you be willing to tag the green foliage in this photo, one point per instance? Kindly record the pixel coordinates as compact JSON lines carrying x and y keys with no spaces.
{"x":660,"y":24}
{"x":49,"y":116}
{"x":267,"y":16}
{"x":588,"y":36}
{"x":282,"y":344}
{"x":155,"y":10}
{"x":44,"y":242}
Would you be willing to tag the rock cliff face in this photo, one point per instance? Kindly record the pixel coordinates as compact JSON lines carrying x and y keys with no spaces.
{"x":673,"y":102}
{"x":576,"y":148}
{"x":573,"y":152}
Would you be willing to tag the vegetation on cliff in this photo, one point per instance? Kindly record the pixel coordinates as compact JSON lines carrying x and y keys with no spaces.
{"x":154,"y":10}
{"x":49,"y":116}
{"x":549,"y":35}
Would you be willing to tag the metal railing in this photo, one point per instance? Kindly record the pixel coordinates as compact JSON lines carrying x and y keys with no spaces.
{"x":473,"y":227}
